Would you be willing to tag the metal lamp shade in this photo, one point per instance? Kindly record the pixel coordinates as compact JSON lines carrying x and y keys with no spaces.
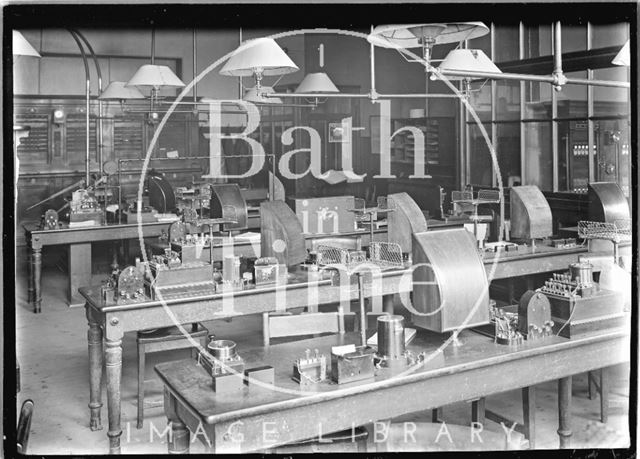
{"x":117,"y":90}
{"x":262,"y":55}
{"x":316,"y":83}
{"x":21,"y":47}
{"x":257,"y":96}
{"x":624,"y":56}
{"x":468,"y":60}
{"x":413,"y":35}
{"x":156,"y":76}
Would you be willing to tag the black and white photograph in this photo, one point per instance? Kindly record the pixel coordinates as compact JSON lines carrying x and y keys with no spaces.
{"x":287,"y":228}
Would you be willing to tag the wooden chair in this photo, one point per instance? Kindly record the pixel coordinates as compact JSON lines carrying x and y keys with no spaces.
{"x":289,"y":325}
{"x":163,"y":339}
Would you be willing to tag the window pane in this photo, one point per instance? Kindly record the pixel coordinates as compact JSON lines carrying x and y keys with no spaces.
{"x":537,"y":40}
{"x":574,"y":37}
{"x":508,"y":149}
{"x":611,"y":101}
{"x":538,"y":157}
{"x":507,"y":43}
{"x":483,"y":43}
{"x":479,"y":157}
{"x":508,"y":100}
{"x":480,"y":98}
{"x":572,"y":100}
{"x":573,"y":156}
{"x":538,"y":100}
{"x":603,"y":35}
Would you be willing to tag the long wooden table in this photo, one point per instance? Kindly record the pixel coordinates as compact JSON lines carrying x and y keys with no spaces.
{"x":477,"y":367}
{"x":79,"y":241}
{"x":109,"y":322}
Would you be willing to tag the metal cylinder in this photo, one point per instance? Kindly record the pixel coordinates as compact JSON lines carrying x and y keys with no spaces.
{"x":222,"y":349}
{"x":582,"y":273}
{"x":391,"y":336}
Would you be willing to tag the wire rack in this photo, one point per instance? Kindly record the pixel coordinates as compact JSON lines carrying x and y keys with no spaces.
{"x":619,"y":231}
{"x":482,"y":197}
{"x":385,"y":255}
{"x":382,"y":205}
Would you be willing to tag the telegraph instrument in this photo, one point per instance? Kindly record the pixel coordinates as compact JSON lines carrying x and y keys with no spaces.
{"x":50,"y":220}
{"x":578,"y":303}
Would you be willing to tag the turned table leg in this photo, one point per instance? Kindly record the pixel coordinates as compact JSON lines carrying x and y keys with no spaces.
{"x":94,"y":338}
{"x":113,"y":357}
{"x":564,"y":411}
{"x":36,"y":265}
{"x":30,"y":296}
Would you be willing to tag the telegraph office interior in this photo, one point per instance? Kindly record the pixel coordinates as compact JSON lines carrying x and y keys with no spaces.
{"x":552,"y":97}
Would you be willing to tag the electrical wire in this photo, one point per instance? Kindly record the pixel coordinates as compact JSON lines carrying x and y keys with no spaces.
{"x":570,"y":315}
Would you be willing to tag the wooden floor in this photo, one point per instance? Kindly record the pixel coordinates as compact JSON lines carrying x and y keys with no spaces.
{"x":52,"y":350}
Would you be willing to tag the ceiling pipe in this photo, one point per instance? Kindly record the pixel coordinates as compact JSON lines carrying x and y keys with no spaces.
{"x":87,"y":107}
{"x":373,"y":69}
{"x":100,"y":113}
{"x":195,"y":68}
{"x":559,"y":78}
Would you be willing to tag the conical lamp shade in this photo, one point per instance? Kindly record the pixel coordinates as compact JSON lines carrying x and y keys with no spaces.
{"x":262,"y":55}
{"x":412,"y":35}
{"x":624,"y":56}
{"x":468,"y":60}
{"x":21,"y":47}
{"x":252,"y":95}
{"x":117,"y":90}
{"x":156,"y":76}
{"x":316,"y":82}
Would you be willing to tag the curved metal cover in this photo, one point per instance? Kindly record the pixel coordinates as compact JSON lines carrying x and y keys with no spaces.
{"x":228,"y":194}
{"x":404,"y":221}
{"x":607,"y":203}
{"x":161,"y":196}
{"x":450,"y":284}
{"x":279,"y":223}
{"x":530,"y":213}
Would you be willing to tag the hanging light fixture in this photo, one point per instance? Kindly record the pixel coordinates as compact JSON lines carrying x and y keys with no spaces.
{"x":468,"y":61}
{"x":624,"y":56}
{"x":118,"y":90}
{"x":258,"y":58}
{"x":21,"y":47}
{"x":425,"y":36}
{"x":316,"y":83}
{"x":258,"y":95}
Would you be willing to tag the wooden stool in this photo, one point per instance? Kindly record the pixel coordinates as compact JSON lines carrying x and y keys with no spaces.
{"x":528,"y":427}
{"x":479,"y":413}
{"x":163,"y":339}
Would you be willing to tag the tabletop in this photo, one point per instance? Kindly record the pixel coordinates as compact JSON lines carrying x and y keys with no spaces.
{"x":190,"y":382}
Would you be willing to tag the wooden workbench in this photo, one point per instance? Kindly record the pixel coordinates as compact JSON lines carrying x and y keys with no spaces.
{"x":79,"y":241}
{"x":110,"y":322}
{"x":476,"y":368}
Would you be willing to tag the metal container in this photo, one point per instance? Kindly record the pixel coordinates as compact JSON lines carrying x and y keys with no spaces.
{"x":231,"y":269}
{"x":222,"y":349}
{"x":582,"y":273}
{"x":391,"y":336}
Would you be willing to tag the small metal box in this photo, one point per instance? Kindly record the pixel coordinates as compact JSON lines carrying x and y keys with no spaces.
{"x":352,"y":366}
